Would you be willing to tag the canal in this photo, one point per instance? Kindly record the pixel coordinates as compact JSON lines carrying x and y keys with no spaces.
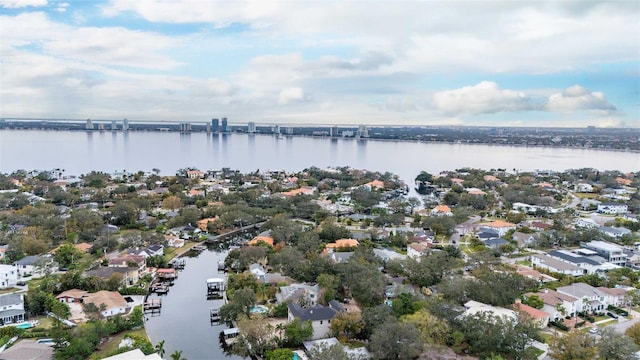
{"x":183,"y":322}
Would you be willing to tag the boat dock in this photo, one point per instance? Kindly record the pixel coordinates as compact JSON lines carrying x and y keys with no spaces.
{"x":221,"y":266}
{"x":199,"y":248}
{"x":215,"y":288}
{"x":159,"y":288}
{"x":177,"y":263}
{"x":166,"y":274}
{"x":214,"y":315}
{"x":230,"y":335}
{"x":152,"y":306}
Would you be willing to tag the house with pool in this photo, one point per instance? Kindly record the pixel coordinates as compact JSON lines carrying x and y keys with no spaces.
{"x":11,"y":309}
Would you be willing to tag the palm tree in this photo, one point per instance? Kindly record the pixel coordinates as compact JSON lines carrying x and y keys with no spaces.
{"x":177,"y":355}
{"x":160,"y":348}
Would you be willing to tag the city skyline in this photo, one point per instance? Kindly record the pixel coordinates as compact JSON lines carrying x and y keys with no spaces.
{"x":468,"y":63}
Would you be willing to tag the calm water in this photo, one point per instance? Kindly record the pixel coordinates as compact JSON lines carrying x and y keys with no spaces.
{"x":184,"y":321}
{"x":79,"y":152}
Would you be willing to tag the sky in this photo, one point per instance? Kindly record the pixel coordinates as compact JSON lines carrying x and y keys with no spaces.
{"x":571,"y":63}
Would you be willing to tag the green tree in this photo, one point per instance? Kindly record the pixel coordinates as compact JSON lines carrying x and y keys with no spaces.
{"x":346,"y":326}
{"x":634,"y":333}
{"x":576,"y":345}
{"x":616,"y":346}
{"x":67,"y":255}
{"x":395,"y":340}
{"x":432,"y":330}
{"x":279,"y":354}
{"x":296,"y":331}
{"x":177,"y":355}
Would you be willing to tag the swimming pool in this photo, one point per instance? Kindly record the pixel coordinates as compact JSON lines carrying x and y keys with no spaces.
{"x":259,"y":309}
{"x":26,"y":325}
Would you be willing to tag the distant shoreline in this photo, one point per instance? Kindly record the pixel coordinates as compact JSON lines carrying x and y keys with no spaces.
{"x":451,"y":142}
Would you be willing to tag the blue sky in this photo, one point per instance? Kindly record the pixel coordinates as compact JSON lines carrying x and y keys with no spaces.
{"x":487,"y":63}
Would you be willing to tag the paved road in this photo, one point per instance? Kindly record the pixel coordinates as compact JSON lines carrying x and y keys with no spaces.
{"x":622,"y":326}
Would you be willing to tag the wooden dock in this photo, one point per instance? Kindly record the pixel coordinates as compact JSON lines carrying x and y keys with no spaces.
{"x":199,"y":248}
{"x":152,"y":306}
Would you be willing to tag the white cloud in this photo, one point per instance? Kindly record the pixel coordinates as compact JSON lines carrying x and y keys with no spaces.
{"x":290,"y":94}
{"x":578,"y":98}
{"x":15,"y":4}
{"x":484,"y":98}
{"x":108,"y":46}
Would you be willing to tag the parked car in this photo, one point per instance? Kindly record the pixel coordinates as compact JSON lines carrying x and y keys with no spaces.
{"x":594,"y":331}
{"x":609,"y":313}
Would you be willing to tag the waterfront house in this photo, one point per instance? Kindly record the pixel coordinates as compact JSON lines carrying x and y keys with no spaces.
{"x":28,"y":349}
{"x":129,"y":260}
{"x":8,"y":276}
{"x":151,"y":250}
{"x":135,"y":354}
{"x":110,"y":302}
{"x":11,"y":308}
{"x":72,"y":296}
{"x":319,"y":316}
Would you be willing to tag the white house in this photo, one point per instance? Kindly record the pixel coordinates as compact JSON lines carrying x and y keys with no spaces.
{"x":613,"y":208}
{"x":416,"y":250}
{"x":557,"y":305}
{"x":299,"y":294}
{"x":110,"y":302}
{"x":614,"y":232}
{"x":258,"y":271}
{"x":591,"y":299}
{"x":502,"y":227}
{"x":544,"y":261}
{"x":11,"y":308}
{"x":8,"y":276}
{"x":584,"y":188}
{"x":36,"y":266}
{"x":320,"y":317}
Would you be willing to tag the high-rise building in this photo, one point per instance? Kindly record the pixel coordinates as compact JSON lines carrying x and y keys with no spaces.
{"x":276,"y":129}
{"x":225,"y":125}
{"x":125,"y":125}
{"x":363,"y":131}
{"x":185,"y":127}
{"x":251,"y":127}
{"x":215,"y":125}
{"x":89,"y":125}
{"x":334,"y":131}
{"x":114,"y":125}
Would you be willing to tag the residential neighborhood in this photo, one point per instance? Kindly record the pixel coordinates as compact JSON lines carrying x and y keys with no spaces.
{"x":336,"y":260}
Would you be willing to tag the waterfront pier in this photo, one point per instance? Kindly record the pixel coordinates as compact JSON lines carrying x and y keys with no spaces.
{"x":152,"y":306}
{"x":215,"y":288}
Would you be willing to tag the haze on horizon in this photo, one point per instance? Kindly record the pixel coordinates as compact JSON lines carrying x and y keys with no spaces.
{"x":472,"y":63}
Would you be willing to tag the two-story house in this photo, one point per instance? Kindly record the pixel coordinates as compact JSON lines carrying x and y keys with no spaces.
{"x":8,"y":276}
{"x":11,"y":309}
{"x":556,"y":304}
{"x":319,"y":316}
{"x":591,"y":299}
{"x":36,"y":266}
